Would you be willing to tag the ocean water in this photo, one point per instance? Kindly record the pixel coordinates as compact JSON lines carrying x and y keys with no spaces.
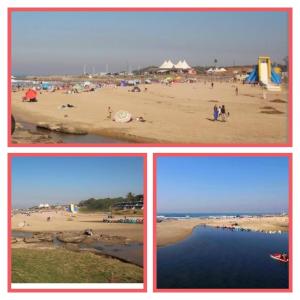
{"x":217,"y":258}
{"x":205,"y":215}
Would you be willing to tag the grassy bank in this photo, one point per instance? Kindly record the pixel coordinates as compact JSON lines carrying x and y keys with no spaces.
{"x":64,"y":266}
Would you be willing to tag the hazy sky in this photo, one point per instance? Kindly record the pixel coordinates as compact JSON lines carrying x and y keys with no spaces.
{"x":62,"y":42}
{"x":54,"y":180}
{"x":222,"y":184}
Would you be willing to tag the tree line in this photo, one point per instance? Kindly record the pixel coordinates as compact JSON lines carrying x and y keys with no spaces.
{"x":107,"y":203}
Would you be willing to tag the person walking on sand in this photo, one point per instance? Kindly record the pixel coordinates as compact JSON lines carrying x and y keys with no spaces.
{"x":212,"y":85}
{"x":223,"y":113}
{"x":236,"y":91}
{"x":216,"y":113}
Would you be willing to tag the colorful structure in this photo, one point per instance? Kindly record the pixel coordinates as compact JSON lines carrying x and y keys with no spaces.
{"x":73,"y":208}
{"x":265,"y":74}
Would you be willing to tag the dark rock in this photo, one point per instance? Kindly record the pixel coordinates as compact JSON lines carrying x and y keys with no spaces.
{"x":70,"y":238}
{"x":62,"y":128}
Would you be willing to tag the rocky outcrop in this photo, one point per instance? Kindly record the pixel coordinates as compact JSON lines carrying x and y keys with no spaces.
{"x":61,"y":128}
{"x":66,"y":237}
{"x":25,"y":136}
{"x":39,"y":237}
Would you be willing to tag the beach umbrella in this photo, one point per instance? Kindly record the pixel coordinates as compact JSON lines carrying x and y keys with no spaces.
{"x":122,"y":116}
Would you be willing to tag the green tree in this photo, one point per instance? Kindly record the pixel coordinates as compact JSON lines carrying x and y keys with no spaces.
{"x":130,"y":196}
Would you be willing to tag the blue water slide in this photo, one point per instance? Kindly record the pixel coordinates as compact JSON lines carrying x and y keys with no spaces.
{"x":275,"y":78}
{"x":253,"y":76}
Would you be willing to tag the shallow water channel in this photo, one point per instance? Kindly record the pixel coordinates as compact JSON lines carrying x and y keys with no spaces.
{"x":132,"y":253}
{"x":74,"y":138}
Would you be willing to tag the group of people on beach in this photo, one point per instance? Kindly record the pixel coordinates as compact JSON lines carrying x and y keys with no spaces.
{"x":220,"y":113}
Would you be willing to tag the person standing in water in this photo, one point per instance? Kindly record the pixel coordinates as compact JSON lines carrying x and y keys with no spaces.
{"x":216,"y":113}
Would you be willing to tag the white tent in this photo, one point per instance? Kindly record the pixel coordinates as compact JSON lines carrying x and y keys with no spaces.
{"x":167,"y":65}
{"x":164,"y":65}
{"x":182,"y":65}
{"x":178,"y":65}
{"x":185,"y":65}
{"x":216,"y":70}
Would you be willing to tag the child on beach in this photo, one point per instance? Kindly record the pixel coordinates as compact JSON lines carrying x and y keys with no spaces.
{"x":216,"y":113}
{"x":219,"y":111}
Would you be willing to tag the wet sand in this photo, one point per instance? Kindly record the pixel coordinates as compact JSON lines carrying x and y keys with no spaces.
{"x":181,"y":113}
{"x":172,"y":231}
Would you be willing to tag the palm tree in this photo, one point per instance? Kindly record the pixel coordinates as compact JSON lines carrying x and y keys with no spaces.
{"x":130,"y":196}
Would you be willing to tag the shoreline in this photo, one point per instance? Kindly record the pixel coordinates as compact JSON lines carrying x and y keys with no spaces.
{"x":172,"y":231}
{"x":107,"y":133}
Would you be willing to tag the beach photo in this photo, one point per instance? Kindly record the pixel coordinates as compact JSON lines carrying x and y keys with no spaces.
{"x":149,"y":77}
{"x":223,"y":222}
{"x":77,"y":219}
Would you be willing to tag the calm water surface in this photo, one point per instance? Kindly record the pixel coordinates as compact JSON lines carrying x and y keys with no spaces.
{"x":217,"y":258}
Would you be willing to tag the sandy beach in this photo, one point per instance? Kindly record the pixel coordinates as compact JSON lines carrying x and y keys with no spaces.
{"x":172,"y":231}
{"x":181,"y":113}
{"x":62,"y":221}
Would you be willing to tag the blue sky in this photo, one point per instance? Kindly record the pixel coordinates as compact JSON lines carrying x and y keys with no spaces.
{"x":62,"y":42}
{"x":71,"y":179}
{"x":222,"y":184}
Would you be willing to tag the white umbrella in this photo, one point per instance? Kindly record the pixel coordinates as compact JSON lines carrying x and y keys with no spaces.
{"x":122,"y":116}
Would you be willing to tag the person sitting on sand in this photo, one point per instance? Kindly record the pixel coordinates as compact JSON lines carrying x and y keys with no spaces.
{"x":223,"y":113}
{"x":216,"y":113}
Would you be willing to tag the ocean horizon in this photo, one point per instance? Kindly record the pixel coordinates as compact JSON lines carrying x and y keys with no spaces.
{"x":205,"y":215}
